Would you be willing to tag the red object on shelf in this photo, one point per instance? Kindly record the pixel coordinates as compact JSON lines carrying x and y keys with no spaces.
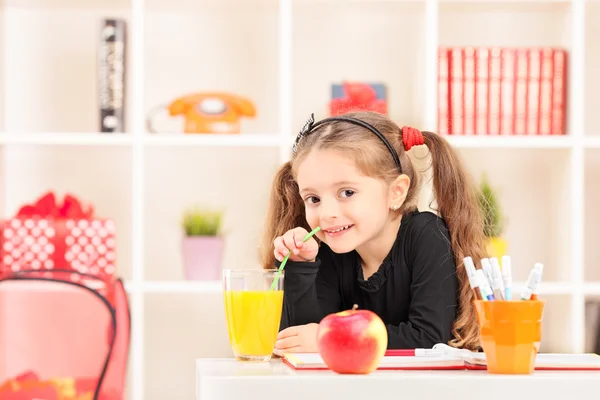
{"x":357,"y":96}
{"x":48,"y":236}
{"x":502,"y":91}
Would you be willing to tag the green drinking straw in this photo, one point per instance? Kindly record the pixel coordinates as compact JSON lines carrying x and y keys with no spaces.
{"x":308,"y":236}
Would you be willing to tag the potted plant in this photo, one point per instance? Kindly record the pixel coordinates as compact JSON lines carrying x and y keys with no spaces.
{"x":494,"y":221}
{"x":203,"y":244}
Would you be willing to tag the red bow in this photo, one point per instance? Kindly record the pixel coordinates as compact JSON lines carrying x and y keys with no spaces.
{"x":46,"y":206}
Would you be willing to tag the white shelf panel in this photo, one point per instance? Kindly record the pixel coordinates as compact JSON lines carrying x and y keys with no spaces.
{"x":592,"y":288}
{"x":199,"y":287}
{"x":228,"y":140}
{"x":592,"y":142}
{"x":532,"y":23}
{"x":71,"y":138}
{"x":50,"y":66}
{"x":517,"y":2}
{"x":591,"y":65}
{"x":326,"y":39}
{"x":243,"y":63}
{"x":530,"y":186}
{"x":182,"y":287}
{"x":57,"y":4}
{"x":546,"y":288}
{"x":510,"y":142}
{"x":592,"y":215}
{"x":178,"y":329}
{"x":236,"y":180}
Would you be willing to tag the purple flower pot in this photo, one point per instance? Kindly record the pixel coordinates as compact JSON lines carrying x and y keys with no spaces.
{"x":202,"y":257}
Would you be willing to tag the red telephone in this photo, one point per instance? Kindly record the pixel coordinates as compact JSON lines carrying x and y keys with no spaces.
{"x":211,"y":112}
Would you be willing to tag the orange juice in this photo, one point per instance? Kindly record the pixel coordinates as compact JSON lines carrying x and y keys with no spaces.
{"x":253,"y":319}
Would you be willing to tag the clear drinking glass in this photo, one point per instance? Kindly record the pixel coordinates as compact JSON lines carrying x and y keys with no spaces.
{"x":253,"y":311}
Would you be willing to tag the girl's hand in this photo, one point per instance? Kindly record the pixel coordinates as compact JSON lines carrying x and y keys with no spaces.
{"x":292,"y":241}
{"x":297,"y":339}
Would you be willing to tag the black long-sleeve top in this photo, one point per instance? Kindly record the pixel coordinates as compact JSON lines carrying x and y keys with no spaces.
{"x":414,"y":291}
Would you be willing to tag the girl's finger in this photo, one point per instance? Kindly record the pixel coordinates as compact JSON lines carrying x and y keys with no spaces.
{"x":287,"y":343}
{"x":289,"y":242}
{"x":280,"y":246}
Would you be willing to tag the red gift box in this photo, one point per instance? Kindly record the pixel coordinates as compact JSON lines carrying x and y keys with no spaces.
{"x":47,"y":235}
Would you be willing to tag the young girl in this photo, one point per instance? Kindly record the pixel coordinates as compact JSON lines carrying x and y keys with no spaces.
{"x":351,"y":176}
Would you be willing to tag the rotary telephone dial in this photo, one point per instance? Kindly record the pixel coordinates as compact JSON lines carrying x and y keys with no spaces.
{"x":211,"y":112}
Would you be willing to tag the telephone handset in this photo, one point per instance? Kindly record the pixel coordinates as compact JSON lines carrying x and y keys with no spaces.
{"x":211,"y":112}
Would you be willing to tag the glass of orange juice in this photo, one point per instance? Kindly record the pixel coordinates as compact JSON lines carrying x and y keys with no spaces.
{"x":253,"y":311}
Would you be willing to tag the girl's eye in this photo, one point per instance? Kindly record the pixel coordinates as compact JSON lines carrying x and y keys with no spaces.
{"x":347,"y":193}
{"x":312,"y":200}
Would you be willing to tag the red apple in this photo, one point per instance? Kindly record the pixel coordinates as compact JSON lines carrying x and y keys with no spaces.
{"x":352,"y":341}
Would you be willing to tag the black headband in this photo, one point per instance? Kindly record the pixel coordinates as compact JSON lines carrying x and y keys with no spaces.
{"x":310,"y":125}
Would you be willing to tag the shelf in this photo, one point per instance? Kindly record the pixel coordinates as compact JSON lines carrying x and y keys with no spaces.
{"x":592,"y":63}
{"x":199,"y":5}
{"x":555,"y":328}
{"x":532,"y":23}
{"x":50,"y":65}
{"x":169,"y":345}
{"x":378,"y":42}
{"x":592,"y":142}
{"x":233,"y":140}
{"x":73,"y":139}
{"x":97,"y":175}
{"x":62,"y":4}
{"x":592,"y":323}
{"x":592,"y":215}
{"x":510,"y":142}
{"x":534,"y":230}
{"x":236,"y":179}
{"x":185,"y":287}
{"x":592,"y":288}
{"x":209,"y":287}
{"x":181,"y":58}
{"x":546,"y":288}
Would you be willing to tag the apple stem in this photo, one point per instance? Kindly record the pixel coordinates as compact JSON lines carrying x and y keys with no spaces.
{"x":355,"y":307}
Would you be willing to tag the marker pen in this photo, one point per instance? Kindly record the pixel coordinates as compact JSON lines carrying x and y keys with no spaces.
{"x":487,"y":268}
{"x":507,"y":277}
{"x":497,"y":285}
{"x":486,"y":290}
{"x":539,"y":267}
{"x":473,"y":281}
{"x":532,"y":280}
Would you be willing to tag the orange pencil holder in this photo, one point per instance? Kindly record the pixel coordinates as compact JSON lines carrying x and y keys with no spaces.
{"x":510,"y":333}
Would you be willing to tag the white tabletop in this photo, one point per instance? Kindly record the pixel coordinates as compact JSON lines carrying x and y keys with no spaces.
{"x":228,"y":379}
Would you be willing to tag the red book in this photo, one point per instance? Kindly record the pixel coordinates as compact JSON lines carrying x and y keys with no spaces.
{"x":444,"y":127}
{"x":559,"y":95}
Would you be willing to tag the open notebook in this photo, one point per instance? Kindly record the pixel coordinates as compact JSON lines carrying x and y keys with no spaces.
{"x":451,"y":359}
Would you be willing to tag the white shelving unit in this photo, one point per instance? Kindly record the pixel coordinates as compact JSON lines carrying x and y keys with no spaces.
{"x":283,"y":55}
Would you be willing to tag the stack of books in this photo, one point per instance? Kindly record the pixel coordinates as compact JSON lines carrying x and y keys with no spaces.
{"x":502,"y":91}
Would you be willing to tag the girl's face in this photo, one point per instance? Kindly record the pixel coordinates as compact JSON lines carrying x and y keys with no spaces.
{"x":350,"y":208}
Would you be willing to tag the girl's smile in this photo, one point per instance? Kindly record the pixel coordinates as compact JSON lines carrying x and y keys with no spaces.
{"x":336,"y":231}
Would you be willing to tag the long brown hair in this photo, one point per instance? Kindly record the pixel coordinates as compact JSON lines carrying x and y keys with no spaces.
{"x":454,"y":194}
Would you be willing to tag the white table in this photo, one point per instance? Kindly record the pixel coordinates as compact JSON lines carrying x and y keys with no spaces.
{"x":228,"y":379}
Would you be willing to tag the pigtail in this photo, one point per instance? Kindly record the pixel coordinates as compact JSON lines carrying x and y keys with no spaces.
{"x":458,"y":206}
{"x":285,"y":212}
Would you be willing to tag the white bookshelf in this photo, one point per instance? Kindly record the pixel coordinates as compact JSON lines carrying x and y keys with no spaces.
{"x":283,"y":54}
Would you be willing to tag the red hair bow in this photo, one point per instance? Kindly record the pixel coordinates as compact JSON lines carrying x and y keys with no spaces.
{"x":411,"y":137}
